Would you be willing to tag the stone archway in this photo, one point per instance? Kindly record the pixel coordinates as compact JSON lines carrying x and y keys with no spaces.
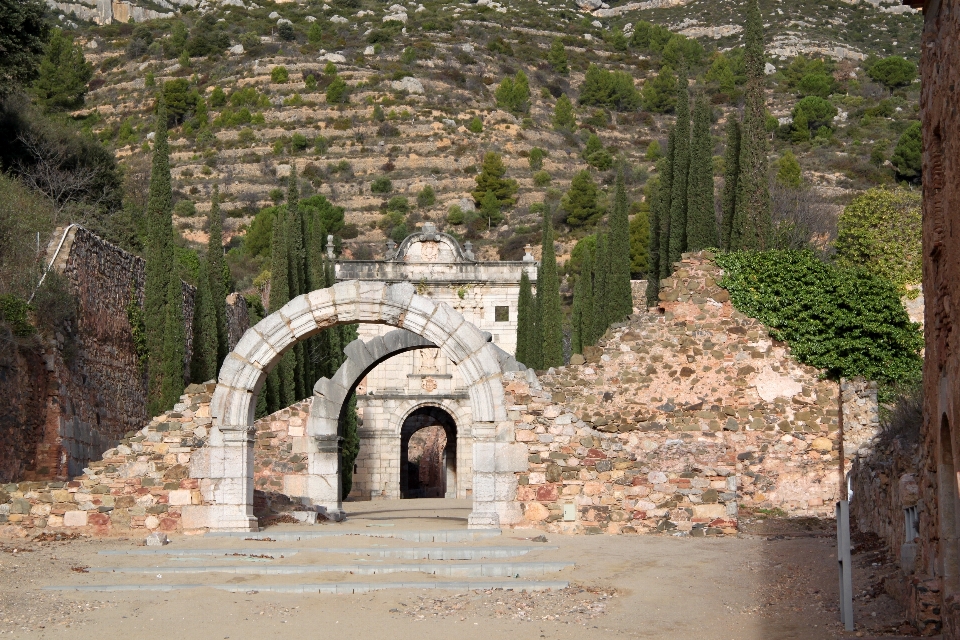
{"x":435,"y":469}
{"x":225,"y":466}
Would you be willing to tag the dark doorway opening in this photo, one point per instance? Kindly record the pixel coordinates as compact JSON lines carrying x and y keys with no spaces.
{"x":428,"y":454}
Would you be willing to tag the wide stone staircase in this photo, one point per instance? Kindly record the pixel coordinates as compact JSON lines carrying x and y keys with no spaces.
{"x":386,"y":545}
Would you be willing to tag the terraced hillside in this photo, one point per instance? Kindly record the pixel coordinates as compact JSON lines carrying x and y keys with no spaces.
{"x":421,"y":107}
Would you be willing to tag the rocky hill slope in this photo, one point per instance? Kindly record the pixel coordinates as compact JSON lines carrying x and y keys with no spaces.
{"x":418,"y":75}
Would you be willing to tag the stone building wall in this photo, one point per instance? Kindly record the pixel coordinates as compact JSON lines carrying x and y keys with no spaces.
{"x":25,"y":389}
{"x":933,"y":585}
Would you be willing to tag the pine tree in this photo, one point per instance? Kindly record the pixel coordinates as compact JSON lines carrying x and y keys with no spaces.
{"x":203,"y":365}
{"x":653,"y":272}
{"x":580,"y":204}
{"x":583,"y":305}
{"x":619,"y":291}
{"x":491,"y":179}
{"x":601,"y":272}
{"x":681,"y":169}
{"x":174,"y":342}
{"x":563,"y":117}
{"x":63,"y":75}
{"x":548,"y":301}
{"x":557,"y":57}
{"x":752,"y":224}
{"x":525,"y":322}
{"x":159,"y":259}
{"x":665,"y":169}
{"x":701,"y":218}
{"x":731,"y":174}
{"x":216,"y":271}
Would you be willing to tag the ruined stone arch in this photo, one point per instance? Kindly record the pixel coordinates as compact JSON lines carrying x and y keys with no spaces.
{"x":226,"y":465}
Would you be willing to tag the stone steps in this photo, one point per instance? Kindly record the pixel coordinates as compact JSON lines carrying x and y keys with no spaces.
{"x":406,"y":553}
{"x":468,"y":570}
{"x":328,"y":587}
{"x":442,"y":535}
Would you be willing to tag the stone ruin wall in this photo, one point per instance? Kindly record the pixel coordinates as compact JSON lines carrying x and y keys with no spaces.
{"x":72,"y":399}
{"x":680,"y":421}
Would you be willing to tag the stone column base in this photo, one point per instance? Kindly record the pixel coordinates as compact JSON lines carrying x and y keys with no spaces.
{"x":218,"y":517}
{"x":483,"y":520}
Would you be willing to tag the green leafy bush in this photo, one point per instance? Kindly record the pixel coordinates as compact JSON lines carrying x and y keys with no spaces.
{"x":844,"y":320}
{"x":337,"y":91}
{"x":455,"y":215}
{"x":536,"y":158}
{"x":298,"y":142}
{"x":383,"y":184}
{"x":427,"y":197}
{"x":907,"y":154}
{"x":881,"y":231}
{"x":541,"y":178}
{"x":476,"y":125}
{"x":279,"y":75}
{"x":513,"y":94}
{"x":15,"y":313}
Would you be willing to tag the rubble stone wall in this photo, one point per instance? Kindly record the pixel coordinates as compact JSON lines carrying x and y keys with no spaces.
{"x":677,"y":421}
{"x":24,"y":387}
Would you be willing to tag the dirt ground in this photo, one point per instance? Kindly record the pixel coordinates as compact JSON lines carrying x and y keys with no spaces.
{"x":777,"y":580}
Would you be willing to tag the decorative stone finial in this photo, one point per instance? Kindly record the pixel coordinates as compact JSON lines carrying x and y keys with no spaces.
{"x":330,"y":246}
{"x":528,"y":253}
{"x":391,"y":249}
{"x":468,"y":250}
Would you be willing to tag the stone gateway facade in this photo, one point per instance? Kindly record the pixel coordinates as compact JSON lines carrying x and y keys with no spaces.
{"x":420,"y":388}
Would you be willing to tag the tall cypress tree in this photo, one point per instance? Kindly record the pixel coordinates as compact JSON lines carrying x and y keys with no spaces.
{"x":666,"y":200}
{"x":701,"y":218}
{"x":601,"y":291}
{"x":174,"y":343}
{"x":681,"y":168}
{"x":203,"y":365}
{"x":731,"y":177}
{"x":653,"y":272}
{"x":159,"y":259}
{"x":525,"y":321}
{"x":618,"y":287}
{"x":296,"y":278}
{"x":548,"y":301}
{"x":583,"y":305}
{"x":216,"y":276}
{"x":348,"y":427}
{"x":752,"y":224}
{"x":280,"y":295}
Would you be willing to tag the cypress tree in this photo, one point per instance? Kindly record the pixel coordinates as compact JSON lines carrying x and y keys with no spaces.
{"x":665,"y":166}
{"x":681,"y":168}
{"x":347,"y":428}
{"x":159,"y":258}
{"x":751,"y":223}
{"x":216,"y":272}
{"x":619,"y":290}
{"x":203,"y":365}
{"x":548,"y":301}
{"x":653,"y":273}
{"x":701,"y":219}
{"x":582,"y":316}
{"x":296,"y":281}
{"x":601,"y":291}
{"x":525,"y":321}
{"x":280,"y":295}
{"x":731,"y":175}
{"x":174,"y":342}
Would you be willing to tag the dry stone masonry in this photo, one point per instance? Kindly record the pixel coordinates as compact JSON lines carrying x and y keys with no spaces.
{"x":678,"y":421}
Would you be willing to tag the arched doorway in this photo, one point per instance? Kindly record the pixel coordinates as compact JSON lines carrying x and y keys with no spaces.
{"x":225,"y":466}
{"x":428,"y":454}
